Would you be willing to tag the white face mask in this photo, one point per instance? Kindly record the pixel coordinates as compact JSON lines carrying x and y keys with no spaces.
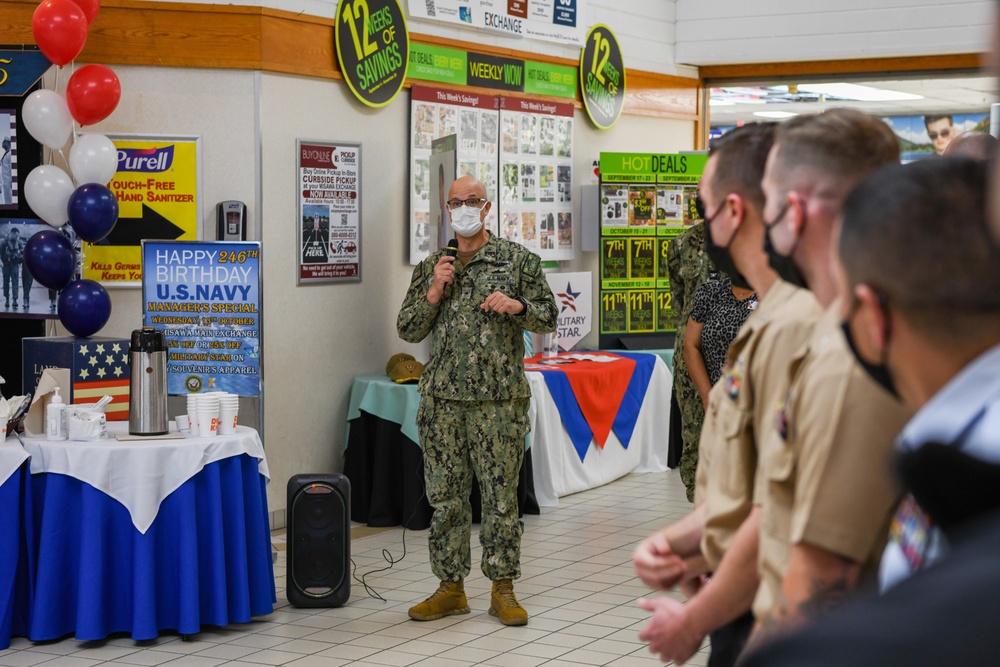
{"x":465,"y":221}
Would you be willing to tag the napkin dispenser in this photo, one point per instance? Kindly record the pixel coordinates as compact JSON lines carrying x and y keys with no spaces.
{"x":148,"y":392}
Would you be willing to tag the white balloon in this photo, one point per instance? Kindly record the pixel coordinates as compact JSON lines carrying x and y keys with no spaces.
{"x":48,"y":190}
{"x":47,"y":118}
{"x":93,"y":159}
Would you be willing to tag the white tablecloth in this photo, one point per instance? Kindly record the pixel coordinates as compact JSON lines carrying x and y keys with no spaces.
{"x":12,"y":455}
{"x":557,"y":468}
{"x":140,"y":474}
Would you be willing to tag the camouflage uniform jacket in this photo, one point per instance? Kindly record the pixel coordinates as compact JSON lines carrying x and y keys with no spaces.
{"x":478,"y":356}
{"x":688,"y":266}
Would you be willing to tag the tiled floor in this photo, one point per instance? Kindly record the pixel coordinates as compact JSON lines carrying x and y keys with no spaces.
{"x":577,"y":584}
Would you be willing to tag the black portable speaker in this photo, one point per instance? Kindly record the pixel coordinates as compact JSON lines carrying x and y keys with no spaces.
{"x":319,"y":540}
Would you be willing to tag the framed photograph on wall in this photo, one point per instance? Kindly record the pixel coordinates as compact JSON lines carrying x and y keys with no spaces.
{"x":22,"y":296}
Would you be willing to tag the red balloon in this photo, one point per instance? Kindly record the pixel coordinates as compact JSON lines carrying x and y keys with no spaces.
{"x":60,"y":30}
{"x":89,"y":8}
{"x":92,"y":94}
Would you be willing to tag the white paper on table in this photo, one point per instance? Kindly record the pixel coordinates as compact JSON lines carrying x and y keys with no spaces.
{"x":34,"y":421}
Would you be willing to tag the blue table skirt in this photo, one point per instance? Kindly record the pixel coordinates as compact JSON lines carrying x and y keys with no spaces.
{"x":16,"y":555}
{"x":206,"y":560}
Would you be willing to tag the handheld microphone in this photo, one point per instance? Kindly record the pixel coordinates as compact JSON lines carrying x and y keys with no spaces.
{"x":450,"y":251}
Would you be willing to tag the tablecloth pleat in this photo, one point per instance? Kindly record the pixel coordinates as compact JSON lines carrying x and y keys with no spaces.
{"x":17,"y":572}
{"x":206,"y":559}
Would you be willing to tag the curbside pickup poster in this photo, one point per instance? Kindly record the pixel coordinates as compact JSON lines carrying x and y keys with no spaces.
{"x":329,"y":224}
{"x":206,"y":298}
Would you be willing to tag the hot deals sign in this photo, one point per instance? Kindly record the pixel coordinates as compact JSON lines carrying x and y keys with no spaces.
{"x":574,"y":298}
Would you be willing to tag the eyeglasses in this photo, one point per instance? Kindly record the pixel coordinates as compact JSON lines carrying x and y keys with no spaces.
{"x":471,"y":202}
{"x":943,"y":133}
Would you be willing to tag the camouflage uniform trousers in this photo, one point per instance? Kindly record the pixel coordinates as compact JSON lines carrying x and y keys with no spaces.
{"x":460,"y":438}
{"x":692,"y":416}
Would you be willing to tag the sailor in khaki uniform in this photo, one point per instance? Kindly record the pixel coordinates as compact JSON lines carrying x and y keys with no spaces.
{"x":824,"y":482}
{"x":728,"y":453}
{"x":742,"y":400}
{"x":826,"y":479}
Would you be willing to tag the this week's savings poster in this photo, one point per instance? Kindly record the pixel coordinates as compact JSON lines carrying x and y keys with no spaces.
{"x":158,"y":185}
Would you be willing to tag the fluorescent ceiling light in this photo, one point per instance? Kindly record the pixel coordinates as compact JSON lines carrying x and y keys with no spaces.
{"x":774,"y":114}
{"x":853,"y":91}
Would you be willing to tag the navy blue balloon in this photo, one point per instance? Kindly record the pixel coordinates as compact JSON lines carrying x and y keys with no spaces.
{"x":93,"y":211}
{"x":84,"y":307}
{"x":50,"y":258}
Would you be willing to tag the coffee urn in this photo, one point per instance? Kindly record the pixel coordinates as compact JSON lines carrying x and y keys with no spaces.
{"x":147,"y":403}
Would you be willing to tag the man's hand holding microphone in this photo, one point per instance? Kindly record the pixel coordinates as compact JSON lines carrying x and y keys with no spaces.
{"x":444,"y":275}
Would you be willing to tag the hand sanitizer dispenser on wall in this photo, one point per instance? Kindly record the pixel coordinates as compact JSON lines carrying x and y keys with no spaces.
{"x":231,"y":221}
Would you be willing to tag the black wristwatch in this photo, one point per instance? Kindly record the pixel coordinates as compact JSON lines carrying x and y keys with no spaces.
{"x":524,"y":303}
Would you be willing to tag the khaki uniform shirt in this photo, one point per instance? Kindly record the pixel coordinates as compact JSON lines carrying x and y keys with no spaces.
{"x":825,"y":473}
{"x":750,"y":386}
{"x":475,"y":355}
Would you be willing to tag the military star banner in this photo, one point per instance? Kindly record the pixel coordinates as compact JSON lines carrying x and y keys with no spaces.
{"x":575,"y":298}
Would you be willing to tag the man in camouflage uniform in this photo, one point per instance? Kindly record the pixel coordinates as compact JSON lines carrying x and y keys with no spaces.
{"x":688,"y":267}
{"x":473,"y":414}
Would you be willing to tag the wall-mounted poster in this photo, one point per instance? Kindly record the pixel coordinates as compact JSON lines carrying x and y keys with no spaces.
{"x":158,"y":187}
{"x":923,"y":136}
{"x":329,"y":223}
{"x":549,"y":20}
{"x":206,"y":298}
{"x":645,"y":202}
{"x":435,"y":114}
{"x":536,"y":151}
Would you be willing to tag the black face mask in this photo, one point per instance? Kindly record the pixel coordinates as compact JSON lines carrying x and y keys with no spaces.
{"x":783,"y":266}
{"x":720,"y":254}
{"x":877,"y":372}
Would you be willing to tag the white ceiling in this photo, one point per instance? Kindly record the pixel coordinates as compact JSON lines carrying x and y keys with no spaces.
{"x":956,"y":95}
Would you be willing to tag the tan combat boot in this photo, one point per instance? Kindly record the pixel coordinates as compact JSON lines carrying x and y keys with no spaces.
{"x":447,"y":600}
{"x":505,"y":606}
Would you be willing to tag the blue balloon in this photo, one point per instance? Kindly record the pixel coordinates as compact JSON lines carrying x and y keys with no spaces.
{"x":93,"y":211}
{"x":84,"y":307}
{"x":50,"y":258}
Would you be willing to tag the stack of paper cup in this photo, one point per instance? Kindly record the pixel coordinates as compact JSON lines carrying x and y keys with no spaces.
{"x":192,"y":412}
{"x":229,"y":407}
{"x":208,"y":414}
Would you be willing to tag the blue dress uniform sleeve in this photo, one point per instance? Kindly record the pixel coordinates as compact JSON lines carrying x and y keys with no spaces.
{"x":417,"y":316}
{"x":541,"y":313}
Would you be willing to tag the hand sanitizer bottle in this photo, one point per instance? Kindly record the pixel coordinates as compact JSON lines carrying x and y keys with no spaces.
{"x":55,"y":424}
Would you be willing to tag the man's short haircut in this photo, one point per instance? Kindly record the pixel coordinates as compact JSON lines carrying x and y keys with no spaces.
{"x":933,"y":119}
{"x":977,"y":145}
{"x":845,"y":144}
{"x":742,"y":154}
{"x":917,"y":234}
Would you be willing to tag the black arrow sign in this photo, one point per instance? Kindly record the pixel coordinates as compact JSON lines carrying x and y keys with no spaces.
{"x":152,"y":225}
